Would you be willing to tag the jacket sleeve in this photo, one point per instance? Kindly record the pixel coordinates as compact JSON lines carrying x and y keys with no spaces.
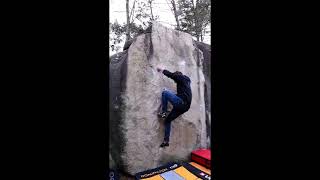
{"x":171,"y":75}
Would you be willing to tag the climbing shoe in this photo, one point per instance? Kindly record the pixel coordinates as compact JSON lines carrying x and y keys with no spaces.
{"x":164,"y":144}
{"x":163,"y":114}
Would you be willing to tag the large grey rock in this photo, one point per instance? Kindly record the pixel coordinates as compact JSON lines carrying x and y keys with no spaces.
{"x":206,"y":50}
{"x":135,"y":95}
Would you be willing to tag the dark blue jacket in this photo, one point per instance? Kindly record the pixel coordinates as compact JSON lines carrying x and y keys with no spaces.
{"x":183,"y":86}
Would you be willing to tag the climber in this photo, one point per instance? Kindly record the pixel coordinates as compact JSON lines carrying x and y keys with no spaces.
{"x":180,"y":101}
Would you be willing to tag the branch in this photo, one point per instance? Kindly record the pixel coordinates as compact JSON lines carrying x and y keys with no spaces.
{"x":170,"y":7}
{"x":141,"y":22}
{"x":132,"y":8}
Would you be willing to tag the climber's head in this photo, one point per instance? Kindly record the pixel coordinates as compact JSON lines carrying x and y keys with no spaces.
{"x":178,"y":73}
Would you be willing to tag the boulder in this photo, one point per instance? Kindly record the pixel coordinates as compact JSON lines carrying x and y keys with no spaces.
{"x":206,"y":50}
{"x":135,"y":97}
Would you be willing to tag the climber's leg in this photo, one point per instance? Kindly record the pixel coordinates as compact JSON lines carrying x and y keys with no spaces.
{"x":171,"y":97}
{"x":172,"y":116}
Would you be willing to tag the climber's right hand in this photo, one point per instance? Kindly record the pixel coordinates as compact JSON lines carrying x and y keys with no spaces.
{"x":159,"y":69}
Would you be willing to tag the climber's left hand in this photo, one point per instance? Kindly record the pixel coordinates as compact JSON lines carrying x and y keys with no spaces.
{"x":159,"y":69}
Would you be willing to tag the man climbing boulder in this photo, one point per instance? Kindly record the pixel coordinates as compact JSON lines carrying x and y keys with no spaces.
{"x":180,"y":101}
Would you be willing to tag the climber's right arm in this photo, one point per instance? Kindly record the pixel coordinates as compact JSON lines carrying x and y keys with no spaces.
{"x":177,"y":78}
{"x":165,"y":72}
{"x":168,"y":74}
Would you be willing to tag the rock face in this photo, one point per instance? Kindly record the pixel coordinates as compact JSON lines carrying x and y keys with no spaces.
{"x":206,"y":49}
{"x":135,"y":96}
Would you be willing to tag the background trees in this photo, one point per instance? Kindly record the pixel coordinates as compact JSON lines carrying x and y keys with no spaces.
{"x":191,"y":16}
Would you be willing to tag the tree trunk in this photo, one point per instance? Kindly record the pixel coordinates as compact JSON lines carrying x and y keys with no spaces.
{"x":128,"y":21}
{"x":175,"y":13}
{"x":194,"y":13}
{"x":195,"y":19}
{"x":150,"y":2}
{"x":132,"y":11}
{"x":203,"y":34}
{"x":198,"y":26}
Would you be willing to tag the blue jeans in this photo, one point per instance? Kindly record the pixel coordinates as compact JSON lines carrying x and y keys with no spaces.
{"x":175,"y":101}
{"x":171,"y":97}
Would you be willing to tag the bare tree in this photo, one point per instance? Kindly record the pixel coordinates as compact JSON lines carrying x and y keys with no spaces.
{"x":175,"y":13}
{"x":144,"y":13}
{"x":129,"y":17}
{"x":150,"y":4}
{"x":128,"y":21}
{"x":132,"y":11}
{"x":195,"y":10}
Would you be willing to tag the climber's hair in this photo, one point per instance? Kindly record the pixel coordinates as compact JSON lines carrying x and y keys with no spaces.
{"x":178,"y":73}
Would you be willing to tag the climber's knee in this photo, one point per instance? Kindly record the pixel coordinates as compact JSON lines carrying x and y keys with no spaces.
{"x":165,"y":93}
